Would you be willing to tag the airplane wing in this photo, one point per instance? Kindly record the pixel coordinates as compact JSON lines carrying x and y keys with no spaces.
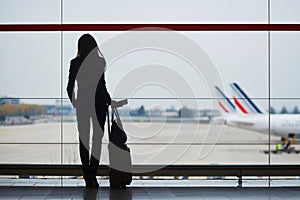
{"x":240,"y":123}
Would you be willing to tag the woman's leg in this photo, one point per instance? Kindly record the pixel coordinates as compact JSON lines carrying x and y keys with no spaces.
{"x":98,"y":132}
{"x":83,"y":124}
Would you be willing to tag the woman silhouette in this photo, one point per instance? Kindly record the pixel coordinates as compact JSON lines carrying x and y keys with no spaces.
{"x":91,"y":103}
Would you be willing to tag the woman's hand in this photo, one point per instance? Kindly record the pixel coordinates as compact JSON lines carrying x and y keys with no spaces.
{"x":114,"y":104}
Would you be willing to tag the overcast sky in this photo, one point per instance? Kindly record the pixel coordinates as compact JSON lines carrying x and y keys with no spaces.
{"x":30,"y":63}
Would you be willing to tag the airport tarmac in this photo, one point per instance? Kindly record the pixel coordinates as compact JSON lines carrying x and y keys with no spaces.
{"x":150,"y":143}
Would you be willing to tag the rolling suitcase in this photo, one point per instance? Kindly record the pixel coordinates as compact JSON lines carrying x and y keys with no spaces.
{"x":119,"y":153}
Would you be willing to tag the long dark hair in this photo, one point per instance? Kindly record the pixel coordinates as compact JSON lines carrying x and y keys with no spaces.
{"x":86,"y":44}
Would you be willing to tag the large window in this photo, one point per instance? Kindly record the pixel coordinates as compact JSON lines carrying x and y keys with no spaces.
{"x":174,"y":114}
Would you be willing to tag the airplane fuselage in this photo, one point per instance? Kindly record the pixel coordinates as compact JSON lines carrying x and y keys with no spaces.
{"x":280,"y":125}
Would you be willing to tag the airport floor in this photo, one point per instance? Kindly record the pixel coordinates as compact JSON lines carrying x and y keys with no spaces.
{"x":144,"y":189}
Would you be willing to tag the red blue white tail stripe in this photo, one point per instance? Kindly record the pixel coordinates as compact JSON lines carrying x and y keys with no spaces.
{"x":224,"y":102}
{"x":249,"y":104}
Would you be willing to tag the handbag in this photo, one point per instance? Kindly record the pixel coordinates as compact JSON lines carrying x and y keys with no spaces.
{"x":120,"y":163}
{"x":117,"y":134}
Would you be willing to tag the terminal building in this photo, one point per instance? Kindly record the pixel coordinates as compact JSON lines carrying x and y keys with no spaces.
{"x":8,"y":100}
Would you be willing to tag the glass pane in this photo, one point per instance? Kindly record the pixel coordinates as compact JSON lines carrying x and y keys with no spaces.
{"x":168,"y":154}
{"x":285,"y":11}
{"x":30,"y":121}
{"x":286,"y":158}
{"x":167,"y":11}
{"x":70,"y":50}
{"x":71,"y":154}
{"x":239,"y":57}
{"x":154,"y":125}
{"x":285,"y":49}
{"x":30,"y":11}
{"x":197,"y":154}
{"x":285,"y":106}
{"x":147,"y":67}
{"x":285,"y":129}
{"x":30,"y":64}
{"x":30,"y":153}
{"x":284,"y":97}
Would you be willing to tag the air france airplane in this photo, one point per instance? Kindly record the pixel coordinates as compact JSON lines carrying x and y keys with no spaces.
{"x":242,"y":112}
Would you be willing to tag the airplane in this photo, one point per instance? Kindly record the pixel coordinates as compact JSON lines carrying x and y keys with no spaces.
{"x":242,"y":112}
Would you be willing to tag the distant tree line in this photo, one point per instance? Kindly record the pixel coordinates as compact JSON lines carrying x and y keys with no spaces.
{"x":25,"y":110}
{"x":284,"y":110}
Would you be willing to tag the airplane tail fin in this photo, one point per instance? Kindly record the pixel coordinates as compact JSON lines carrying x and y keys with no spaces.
{"x":224,"y":102}
{"x":248,"y":106}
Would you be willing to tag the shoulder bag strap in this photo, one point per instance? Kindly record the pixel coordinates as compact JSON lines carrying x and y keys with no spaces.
{"x":118,"y":120}
{"x":108,"y":121}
